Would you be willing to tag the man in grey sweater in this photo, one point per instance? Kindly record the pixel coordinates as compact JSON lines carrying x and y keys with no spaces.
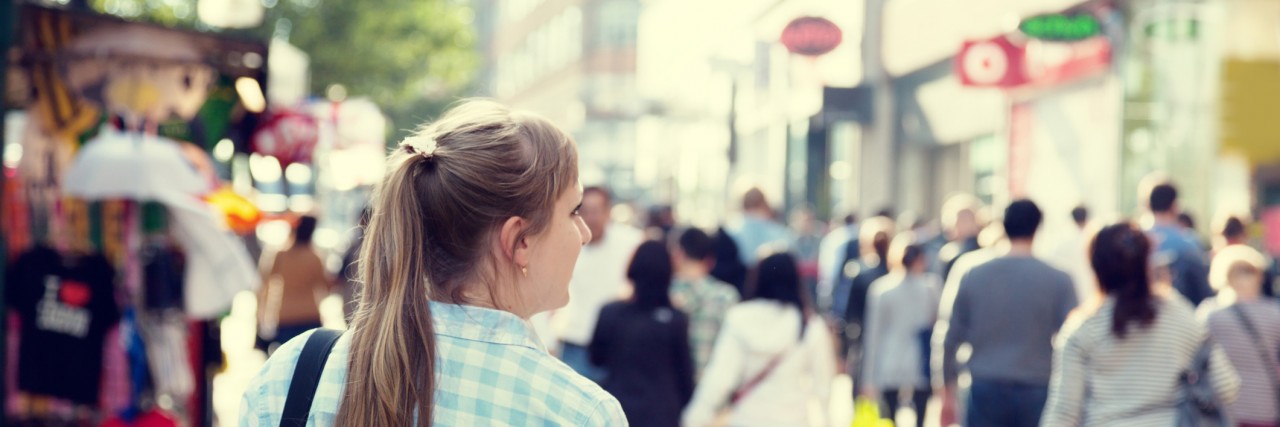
{"x":1008,"y":310}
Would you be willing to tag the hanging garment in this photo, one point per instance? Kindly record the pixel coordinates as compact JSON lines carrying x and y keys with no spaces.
{"x":163,"y":269}
{"x":67,"y":305}
{"x":165,"y":338}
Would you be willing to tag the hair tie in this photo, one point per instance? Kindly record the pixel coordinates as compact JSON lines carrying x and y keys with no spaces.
{"x":425,"y":147}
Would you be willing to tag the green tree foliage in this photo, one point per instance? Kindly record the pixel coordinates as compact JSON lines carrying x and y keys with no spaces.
{"x":412,"y":57}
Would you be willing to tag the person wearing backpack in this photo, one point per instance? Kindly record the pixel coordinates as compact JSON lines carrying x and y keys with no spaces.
{"x":1248,"y":328}
{"x":1141,"y":358}
{"x":474,"y":229}
{"x":773,"y":358}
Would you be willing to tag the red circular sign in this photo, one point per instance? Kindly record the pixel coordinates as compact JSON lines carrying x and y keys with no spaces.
{"x":811,"y":35}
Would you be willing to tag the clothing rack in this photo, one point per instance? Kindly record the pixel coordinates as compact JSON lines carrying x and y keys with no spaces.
{"x":36,"y":213}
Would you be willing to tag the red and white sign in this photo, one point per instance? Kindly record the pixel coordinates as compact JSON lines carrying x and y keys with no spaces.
{"x":996,"y":62}
{"x":1010,"y":63}
{"x":811,"y":36}
{"x":288,"y":135}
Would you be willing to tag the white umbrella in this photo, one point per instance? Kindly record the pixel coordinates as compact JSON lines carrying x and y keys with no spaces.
{"x":131,"y":166}
{"x":217,"y":264}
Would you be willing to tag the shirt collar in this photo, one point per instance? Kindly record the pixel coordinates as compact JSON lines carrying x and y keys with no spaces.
{"x":483,"y":324}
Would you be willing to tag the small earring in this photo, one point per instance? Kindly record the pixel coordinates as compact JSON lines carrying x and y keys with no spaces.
{"x":525,"y":270}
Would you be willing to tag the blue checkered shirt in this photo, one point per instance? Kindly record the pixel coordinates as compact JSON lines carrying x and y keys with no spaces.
{"x":491,"y":370}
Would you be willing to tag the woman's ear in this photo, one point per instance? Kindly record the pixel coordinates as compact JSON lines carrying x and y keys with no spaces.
{"x":515,"y":248}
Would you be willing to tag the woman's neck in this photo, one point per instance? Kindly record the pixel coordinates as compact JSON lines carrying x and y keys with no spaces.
{"x":479,"y":294}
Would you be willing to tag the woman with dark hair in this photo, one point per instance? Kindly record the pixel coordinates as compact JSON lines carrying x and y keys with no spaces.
{"x":643,"y":343}
{"x":294,"y":281}
{"x":773,"y":358}
{"x":1122,"y":363}
{"x":728,"y":267}
{"x":901,"y":310}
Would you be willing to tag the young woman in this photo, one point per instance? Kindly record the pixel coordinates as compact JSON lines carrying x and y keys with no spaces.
{"x":773,"y":358}
{"x":1120,"y":365}
{"x":643,"y":344}
{"x":475,"y":228}
{"x":901,"y":310}
{"x":294,"y":282}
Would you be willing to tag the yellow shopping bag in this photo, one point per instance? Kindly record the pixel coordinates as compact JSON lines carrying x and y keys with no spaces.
{"x":866,"y":413}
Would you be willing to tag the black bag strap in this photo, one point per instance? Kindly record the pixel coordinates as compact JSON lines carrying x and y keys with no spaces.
{"x":306,"y":377}
{"x":1268,"y":361}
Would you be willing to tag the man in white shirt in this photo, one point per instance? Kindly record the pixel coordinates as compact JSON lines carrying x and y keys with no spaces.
{"x":598,"y":279}
{"x":1071,"y":254}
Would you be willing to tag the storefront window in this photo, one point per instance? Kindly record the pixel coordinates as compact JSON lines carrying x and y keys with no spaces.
{"x":845,"y":141}
{"x":1171,"y":85}
{"x":986,"y":155}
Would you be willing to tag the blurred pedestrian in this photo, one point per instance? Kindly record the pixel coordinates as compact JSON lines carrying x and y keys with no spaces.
{"x":759,"y":229}
{"x":1248,"y":328}
{"x":808,"y":237}
{"x":704,"y":298}
{"x":961,"y":223}
{"x":773,"y":359}
{"x":475,"y":228}
{"x":1121,"y":363}
{"x":901,"y":311}
{"x":660,"y":221}
{"x":1007,"y":310}
{"x":643,"y":344}
{"x":930,"y":238}
{"x":598,"y":278}
{"x":1070,"y":254}
{"x":876,"y":234}
{"x":294,"y":281}
{"x":728,"y":267}
{"x":349,"y":274}
{"x":1188,"y":224}
{"x":874,"y":238}
{"x":1233,"y":230}
{"x":839,"y":246}
{"x":1181,"y":258}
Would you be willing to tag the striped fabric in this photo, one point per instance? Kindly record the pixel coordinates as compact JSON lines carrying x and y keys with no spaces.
{"x":1258,"y":402}
{"x":1100,"y":380}
{"x":491,"y":371}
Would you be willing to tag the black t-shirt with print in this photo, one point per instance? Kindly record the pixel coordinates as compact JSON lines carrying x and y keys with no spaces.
{"x":67,"y":305}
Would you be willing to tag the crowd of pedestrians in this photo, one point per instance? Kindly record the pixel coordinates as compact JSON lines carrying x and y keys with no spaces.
{"x":1129,"y":323}
{"x":1111,"y":324}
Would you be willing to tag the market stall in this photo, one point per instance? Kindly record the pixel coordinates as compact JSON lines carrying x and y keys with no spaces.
{"x":125,"y":246}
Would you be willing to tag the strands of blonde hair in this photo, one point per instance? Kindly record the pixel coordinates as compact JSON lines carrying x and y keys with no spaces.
{"x":428,"y":237}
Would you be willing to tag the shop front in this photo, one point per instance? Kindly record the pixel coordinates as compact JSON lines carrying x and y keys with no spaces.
{"x":1062,"y":132}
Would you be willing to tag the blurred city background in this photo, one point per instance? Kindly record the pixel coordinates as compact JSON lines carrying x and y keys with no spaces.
{"x":831,"y":108}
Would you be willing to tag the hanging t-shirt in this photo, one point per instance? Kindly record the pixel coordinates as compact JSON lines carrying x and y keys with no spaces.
{"x":67,"y":305}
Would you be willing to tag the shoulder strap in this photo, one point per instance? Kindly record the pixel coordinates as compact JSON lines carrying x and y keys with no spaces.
{"x":768,"y":368}
{"x":1268,"y":362}
{"x":306,"y":377}
{"x":756,"y":380}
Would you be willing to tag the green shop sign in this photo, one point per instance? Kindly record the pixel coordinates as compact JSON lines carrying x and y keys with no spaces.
{"x":1061,"y":27}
